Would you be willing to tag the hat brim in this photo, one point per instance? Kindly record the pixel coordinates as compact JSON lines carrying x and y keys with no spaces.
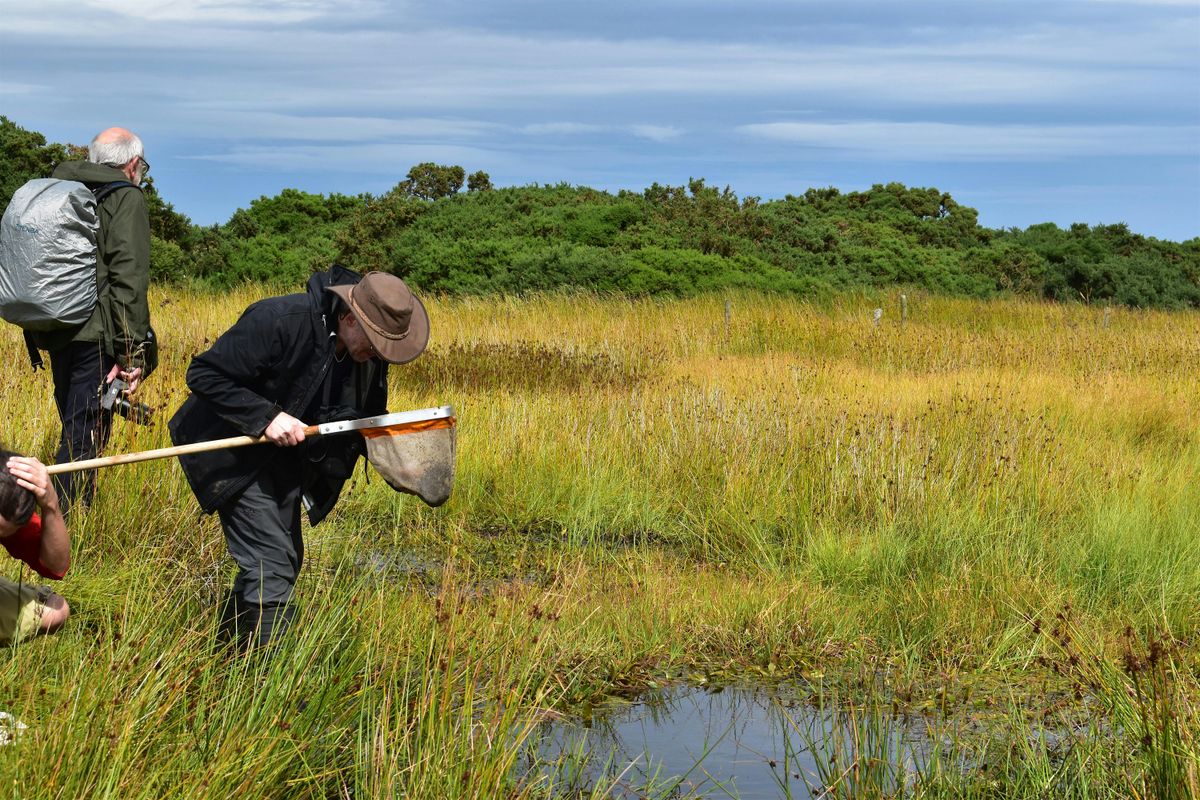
{"x":393,"y":351}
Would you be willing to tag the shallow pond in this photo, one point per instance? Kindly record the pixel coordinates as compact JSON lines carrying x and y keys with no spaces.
{"x":686,"y":741}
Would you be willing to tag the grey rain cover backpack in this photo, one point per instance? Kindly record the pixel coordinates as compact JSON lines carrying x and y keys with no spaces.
{"x":48,"y":253}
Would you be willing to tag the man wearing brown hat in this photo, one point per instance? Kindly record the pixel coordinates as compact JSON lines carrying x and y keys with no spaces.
{"x":289,"y":361}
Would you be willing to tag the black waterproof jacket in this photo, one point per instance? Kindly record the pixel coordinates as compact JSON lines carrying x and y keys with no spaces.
{"x":277,"y":357}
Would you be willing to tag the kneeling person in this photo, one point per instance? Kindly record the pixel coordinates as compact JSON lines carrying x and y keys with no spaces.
{"x":32,"y":529}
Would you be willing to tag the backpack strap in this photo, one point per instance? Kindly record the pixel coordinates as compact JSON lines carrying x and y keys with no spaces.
{"x":104,"y":190}
{"x":35,"y":355}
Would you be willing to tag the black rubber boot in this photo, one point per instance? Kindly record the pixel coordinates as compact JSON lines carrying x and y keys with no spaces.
{"x":273,"y":622}
{"x":233,"y":629}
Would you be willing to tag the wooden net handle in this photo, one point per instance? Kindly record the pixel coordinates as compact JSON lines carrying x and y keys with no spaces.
{"x":167,"y":452}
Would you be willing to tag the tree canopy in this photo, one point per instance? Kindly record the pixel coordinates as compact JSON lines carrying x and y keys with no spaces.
{"x":674,"y":240}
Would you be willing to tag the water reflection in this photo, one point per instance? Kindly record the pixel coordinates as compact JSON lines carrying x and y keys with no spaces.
{"x":745,"y":742}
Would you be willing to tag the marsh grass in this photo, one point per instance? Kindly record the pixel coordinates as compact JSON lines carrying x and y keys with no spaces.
{"x":858,"y":751}
{"x":647,"y":488}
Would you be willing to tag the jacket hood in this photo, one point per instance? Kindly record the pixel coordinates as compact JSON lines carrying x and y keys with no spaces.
{"x":87,"y":172}
{"x":323,"y":301}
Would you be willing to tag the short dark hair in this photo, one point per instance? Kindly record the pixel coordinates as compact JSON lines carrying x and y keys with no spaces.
{"x":16,"y":502}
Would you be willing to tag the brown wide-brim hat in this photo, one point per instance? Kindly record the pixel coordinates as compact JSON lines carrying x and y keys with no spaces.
{"x":391,"y":316}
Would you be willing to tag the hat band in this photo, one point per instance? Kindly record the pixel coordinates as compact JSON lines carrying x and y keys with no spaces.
{"x":362,"y":316}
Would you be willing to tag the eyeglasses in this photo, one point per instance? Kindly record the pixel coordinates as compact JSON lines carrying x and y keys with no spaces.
{"x":143,"y":167}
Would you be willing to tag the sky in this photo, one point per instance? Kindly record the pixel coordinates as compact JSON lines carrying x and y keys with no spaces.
{"x":1030,"y":111}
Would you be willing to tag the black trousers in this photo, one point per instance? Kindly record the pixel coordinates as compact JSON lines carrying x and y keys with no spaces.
{"x":262,"y":533}
{"x":79,"y":370}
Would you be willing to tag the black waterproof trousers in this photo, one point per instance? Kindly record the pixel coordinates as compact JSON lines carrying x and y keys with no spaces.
{"x":262,"y":533}
{"x":79,"y":370}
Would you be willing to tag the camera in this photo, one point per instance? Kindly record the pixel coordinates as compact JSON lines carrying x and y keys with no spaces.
{"x":114,"y":400}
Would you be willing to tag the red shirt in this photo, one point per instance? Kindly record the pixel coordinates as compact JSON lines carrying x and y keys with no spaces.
{"x":26,"y":544}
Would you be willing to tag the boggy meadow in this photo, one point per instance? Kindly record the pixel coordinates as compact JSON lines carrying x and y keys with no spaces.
{"x":787,"y":490}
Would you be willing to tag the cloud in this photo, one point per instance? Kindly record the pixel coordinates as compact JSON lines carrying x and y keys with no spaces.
{"x":216,"y":12}
{"x":322,"y":53}
{"x":369,"y":158}
{"x":241,"y":124}
{"x":656,"y":133}
{"x":1135,"y":3}
{"x":936,"y":141}
{"x":560,"y":128}
{"x":9,"y":87}
{"x":222,"y":11}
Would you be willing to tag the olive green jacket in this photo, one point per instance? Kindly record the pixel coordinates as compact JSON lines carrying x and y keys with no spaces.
{"x":121,"y":321}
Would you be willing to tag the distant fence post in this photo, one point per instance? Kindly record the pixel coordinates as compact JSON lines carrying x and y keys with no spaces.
{"x":878,"y":316}
{"x":903,"y":309}
{"x":728,"y":314}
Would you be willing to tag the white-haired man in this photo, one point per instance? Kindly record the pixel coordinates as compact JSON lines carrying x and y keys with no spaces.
{"x":116,"y":340}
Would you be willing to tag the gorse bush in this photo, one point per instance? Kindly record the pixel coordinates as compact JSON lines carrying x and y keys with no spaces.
{"x":666,"y":240}
{"x":1108,"y":262}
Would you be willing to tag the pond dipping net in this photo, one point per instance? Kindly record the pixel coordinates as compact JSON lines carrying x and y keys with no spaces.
{"x":415,"y":457}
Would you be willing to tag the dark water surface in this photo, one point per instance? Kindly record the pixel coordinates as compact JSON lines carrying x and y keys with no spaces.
{"x":748,"y":742}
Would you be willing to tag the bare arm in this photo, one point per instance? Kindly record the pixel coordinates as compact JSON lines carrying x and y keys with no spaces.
{"x":56,"y":542}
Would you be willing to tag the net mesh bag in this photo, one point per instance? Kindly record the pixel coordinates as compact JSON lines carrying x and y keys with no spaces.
{"x":415,"y":457}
